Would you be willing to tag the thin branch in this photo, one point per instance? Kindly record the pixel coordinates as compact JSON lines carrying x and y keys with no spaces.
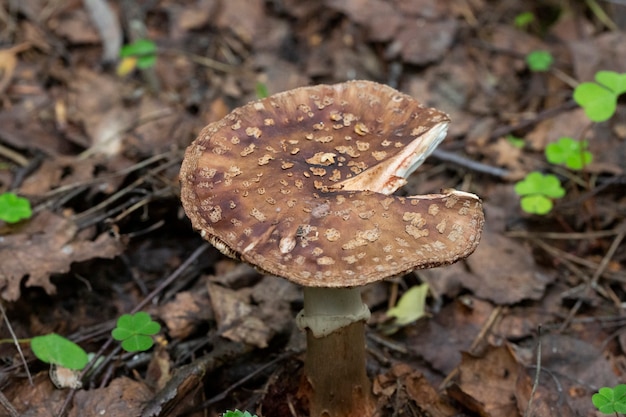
{"x":17,"y":343}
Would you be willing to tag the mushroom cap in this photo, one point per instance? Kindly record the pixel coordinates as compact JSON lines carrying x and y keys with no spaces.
{"x":299,"y":185}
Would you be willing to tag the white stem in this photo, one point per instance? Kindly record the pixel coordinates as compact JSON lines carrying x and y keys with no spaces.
{"x":329,"y":309}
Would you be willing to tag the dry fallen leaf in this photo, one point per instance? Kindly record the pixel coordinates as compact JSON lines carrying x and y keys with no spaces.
{"x":48,"y":244}
{"x":487,"y":383}
{"x":237,"y":319}
{"x":122,"y":398}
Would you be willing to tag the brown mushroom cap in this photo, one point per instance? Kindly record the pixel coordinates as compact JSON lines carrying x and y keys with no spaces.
{"x":298,"y":184}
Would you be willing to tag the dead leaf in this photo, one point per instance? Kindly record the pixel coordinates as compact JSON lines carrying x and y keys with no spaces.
{"x":237,"y":319}
{"x":185,"y":313}
{"x":380,"y":17}
{"x":503,"y":269}
{"x":487,"y":383}
{"x":408,"y":387}
{"x":48,"y":244}
{"x":35,"y":400}
{"x":422,"y":41}
{"x":440,"y":339}
{"x":124,"y":397}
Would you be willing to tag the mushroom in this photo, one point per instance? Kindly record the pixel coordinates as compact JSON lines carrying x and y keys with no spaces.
{"x":300,"y":185}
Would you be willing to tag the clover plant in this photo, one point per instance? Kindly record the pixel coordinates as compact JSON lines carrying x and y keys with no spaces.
{"x":135,"y":331}
{"x":610,"y":400}
{"x":569,"y":152}
{"x":14,"y":208}
{"x":599,"y":98}
{"x":537,"y":192}
{"x":140,"y":54}
{"x":539,"y":61}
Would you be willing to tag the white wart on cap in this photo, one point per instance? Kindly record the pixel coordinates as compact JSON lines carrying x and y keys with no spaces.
{"x":299,"y":184}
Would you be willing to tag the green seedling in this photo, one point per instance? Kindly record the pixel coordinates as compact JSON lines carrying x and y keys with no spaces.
{"x":57,"y":350}
{"x":14,"y":208}
{"x":140,"y":54}
{"x":599,"y":98}
{"x":610,"y":400}
{"x":524,"y":19}
{"x":261,"y":90}
{"x":237,"y":413}
{"x":537,"y":192}
{"x":569,"y":152}
{"x":539,"y":61}
{"x":135,"y":331}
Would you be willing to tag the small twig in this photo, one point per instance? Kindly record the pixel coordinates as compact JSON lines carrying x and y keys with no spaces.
{"x":537,"y":373}
{"x":17,"y":343}
{"x":8,"y":406}
{"x":562,"y":255}
{"x":16,"y":157}
{"x":598,"y":273}
{"x":470,"y":164}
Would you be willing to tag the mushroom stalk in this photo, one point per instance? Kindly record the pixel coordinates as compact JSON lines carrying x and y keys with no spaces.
{"x":334,"y":320}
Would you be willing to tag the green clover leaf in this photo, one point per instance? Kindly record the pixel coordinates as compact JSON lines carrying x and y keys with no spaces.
{"x":612,"y":80}
{"x":135,"y":331}
{"x":599,"y":99}
{"x":539,"y":61}
{"x":610,"y":400}
{"x":14,"y":208}
{"x":58,"y":350}
{"x":572,"y":153}
{"x":537,"y":192}
{"x":598,"y":102}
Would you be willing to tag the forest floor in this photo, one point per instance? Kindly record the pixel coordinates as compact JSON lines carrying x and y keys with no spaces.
{"x":532,"y":323}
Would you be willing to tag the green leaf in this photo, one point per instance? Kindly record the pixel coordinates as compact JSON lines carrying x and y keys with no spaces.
{"x":135,"y":331}
{"x":411,"y":305}
{"x":538,"y":183}
{"x":598,"y":102}
{"x":537,"y":191}
{"x":58,"y":350}
{"x":539,"y":61}
{"x":612,"y":80}
{"x":14,"y":208}
{"x":524,"y":19}
{"x":144,"y":62}
{"x":610,"y":400}
{"x":261,"y":90}
{"x":139,"y":48}
{"x":237,"y":413}
{"x":536,"y":204}
{"x":572,"y":153}
{"x":137,"y":343}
